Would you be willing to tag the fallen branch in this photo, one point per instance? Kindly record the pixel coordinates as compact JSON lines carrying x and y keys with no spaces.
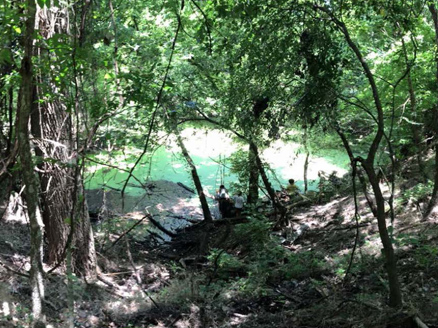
{"x":106,"y":282}
{"x":155,"y":235}
{"x":13,"y":271}
{"x":112,"y":188}
{"x":137,"y":274}
{"x":161,"y":228}
{"x":303,"y":202}
{"x":182,"y":185}
{"x":352,"y":227}
{"x":216,"y":266}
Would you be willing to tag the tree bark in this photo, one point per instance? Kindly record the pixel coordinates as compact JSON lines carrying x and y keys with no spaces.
{"x":63,"y":204}
{"x":30,"y":180}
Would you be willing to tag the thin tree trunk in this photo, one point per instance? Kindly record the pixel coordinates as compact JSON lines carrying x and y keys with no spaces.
{"x":205,"y":209}
{"x":358,"y":171}
{"x":30,"y":180}
{"x":395,"y":295}
{"x":306,"y":167}
{"x":306,"y":161}
{"x":253,"y":183}
{"x":416,"y":132}
{"x":271,"y":192}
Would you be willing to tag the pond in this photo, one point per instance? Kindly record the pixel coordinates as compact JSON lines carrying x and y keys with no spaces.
{"x":210,"y":150}
{"x":160,"y":170}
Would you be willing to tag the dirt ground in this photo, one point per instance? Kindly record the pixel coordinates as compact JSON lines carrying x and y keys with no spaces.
{"x":147,"y":283}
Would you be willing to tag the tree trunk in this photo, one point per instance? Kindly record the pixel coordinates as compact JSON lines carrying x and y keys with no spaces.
{"x":306,"y":167}
{"x":205,"y":209}
{"x":395,"y":296}
{"x":271,"y":192}
{"x":253,"y":183}
{"x":416,"y":132}
{"x":306,"y":161}
{"x":30,"y":180}
{"x":62,"y":196}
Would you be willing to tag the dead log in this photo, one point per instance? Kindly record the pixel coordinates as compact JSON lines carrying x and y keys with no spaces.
{"x":182,"y":185}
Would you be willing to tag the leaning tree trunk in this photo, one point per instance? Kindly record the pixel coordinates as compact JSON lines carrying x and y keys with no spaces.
{"x":204,"y":205}
{"x":30,"y":180}
{"x":271,"y":192}
{"x":63,"y":204}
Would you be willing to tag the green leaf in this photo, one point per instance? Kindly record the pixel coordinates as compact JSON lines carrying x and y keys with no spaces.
{"x":67,"y":221}
{"x":17,"y":29}
{"x":5,"y":56}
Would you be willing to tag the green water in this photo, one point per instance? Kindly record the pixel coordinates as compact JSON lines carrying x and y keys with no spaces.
{"x":209,"y":151}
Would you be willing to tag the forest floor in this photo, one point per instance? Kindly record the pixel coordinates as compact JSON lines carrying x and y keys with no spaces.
{"x":252,"y":276}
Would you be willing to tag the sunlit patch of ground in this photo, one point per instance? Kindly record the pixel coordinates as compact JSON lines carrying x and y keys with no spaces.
{"x":306,"y":301}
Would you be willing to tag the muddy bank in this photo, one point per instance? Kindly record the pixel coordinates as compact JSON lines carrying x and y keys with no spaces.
{"x":167,"y":201}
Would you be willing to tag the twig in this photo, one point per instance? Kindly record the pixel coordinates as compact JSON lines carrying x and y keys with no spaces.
{"x":136,"y":274}
{"x":207,"y":26}
{"x":154,"y":114}
{"x":13,"y":271}
{"x":216,"y":260}
{"x":115,"y":167}
{"x":178,"y":318}
{"x":128,"y":231}
{"x":374,"y":307}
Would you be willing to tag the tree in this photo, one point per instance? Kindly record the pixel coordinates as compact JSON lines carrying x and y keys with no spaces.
{"x":395,"y":296}
{"x":54,"y":127}
{"x":32,"y":189}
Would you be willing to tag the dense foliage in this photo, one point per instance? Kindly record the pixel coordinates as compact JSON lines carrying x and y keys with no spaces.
{"x":111,"y":75}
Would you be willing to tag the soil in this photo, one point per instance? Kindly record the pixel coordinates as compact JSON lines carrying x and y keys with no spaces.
{"x":148,"y":282}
